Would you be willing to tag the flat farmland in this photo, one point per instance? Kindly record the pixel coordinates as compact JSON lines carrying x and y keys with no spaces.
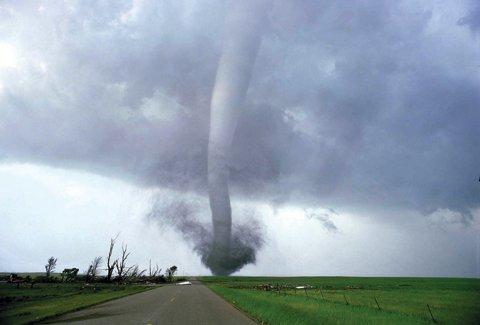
{"x":359,"y":300}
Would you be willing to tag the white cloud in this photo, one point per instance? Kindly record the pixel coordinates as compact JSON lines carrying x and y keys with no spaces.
{"x":47,"y":211}
{"x":42,"y":66}
{"x":160,"y":107}
{"x":8,"y":56}
{"x":131,"y":15}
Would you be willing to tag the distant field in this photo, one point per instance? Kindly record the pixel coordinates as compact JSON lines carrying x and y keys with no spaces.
{"x":25,"y":305}
{"x":340,"y":300}
{"x":32,"y":274}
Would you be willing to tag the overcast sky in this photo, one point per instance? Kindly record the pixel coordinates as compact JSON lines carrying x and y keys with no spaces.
{"x":358,"y":153}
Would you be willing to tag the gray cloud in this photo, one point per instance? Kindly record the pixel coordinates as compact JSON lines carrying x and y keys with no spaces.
{"x":472,"y":18}
{"x":360,"y":104}
{"x":323,"y":218}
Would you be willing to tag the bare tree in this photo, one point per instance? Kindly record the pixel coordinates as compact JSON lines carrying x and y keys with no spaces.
{"x":50,"y":266}
{"x":87,"y":274}
{"x":121,"y":265}
{"x":93,"y":268}
{"x":153,"y":272}
{"x":110,"y":265}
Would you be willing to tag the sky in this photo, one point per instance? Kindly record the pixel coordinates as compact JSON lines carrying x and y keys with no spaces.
{"x":357,"y":153}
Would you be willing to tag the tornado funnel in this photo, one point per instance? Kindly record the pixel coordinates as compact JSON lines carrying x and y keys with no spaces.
{"x":241,"y":42}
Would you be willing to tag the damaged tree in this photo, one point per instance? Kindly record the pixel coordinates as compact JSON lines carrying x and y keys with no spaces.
{"x":133,"y":273}
{"x":121,"y":265}
{"x":111,"y":265}
{"x":152,"y":273}
{"x":69,"y":275}
{"x":92,"y":271}
{"x":50,"y":266}
{"x":170,"y":273}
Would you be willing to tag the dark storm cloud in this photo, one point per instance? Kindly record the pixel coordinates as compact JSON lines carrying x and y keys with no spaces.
{"x":472,"y":19}
{"x":351,"y":104}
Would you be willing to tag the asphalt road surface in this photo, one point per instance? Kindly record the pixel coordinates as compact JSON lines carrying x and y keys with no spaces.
{"x":171,"y":304}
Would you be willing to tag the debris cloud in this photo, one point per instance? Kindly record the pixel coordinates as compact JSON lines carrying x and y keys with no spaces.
{"x":184,"y":216}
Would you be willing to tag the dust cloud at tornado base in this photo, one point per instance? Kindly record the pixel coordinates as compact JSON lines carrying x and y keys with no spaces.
{"x":185,"y":216}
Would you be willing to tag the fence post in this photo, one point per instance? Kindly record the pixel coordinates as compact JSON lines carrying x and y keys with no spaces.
{"x":431,"y":315}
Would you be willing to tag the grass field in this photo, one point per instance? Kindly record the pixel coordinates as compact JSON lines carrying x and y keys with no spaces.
{"x":25,"y":305}
{"x":340,"y":300}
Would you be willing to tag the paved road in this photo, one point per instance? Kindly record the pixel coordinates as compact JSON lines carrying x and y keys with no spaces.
{"x":172,"y":304}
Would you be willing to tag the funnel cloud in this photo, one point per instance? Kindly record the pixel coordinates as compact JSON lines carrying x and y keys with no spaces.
{"x":240,"y":46}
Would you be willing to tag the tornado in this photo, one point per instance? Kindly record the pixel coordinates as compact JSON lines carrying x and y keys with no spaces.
{"x":242,"y":38}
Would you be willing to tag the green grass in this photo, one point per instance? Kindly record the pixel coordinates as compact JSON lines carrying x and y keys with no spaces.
{"x":402,"y":300}
{"x":25,"y":305}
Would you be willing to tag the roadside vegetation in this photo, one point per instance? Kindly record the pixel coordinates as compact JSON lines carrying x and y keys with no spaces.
{"x":341,"y":300}
{"x":25,"y":305}
{"x":32,"y":297}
